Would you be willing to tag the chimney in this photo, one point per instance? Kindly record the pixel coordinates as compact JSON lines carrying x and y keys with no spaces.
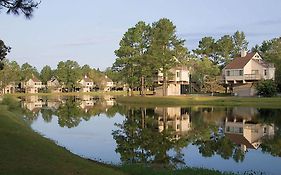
{"x":243,"y":53}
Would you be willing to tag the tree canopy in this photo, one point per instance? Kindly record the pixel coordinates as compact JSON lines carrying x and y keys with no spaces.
{"x":17,"y":7}
{"x":4,"y":50}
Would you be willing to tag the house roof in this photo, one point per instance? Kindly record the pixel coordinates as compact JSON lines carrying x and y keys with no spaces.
{"x":34,"y":79}
{"x":239,"y":139}
{"x":86,"y":79}
{"x":240,"y":62}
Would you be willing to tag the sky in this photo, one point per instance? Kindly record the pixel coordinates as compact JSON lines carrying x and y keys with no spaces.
{"x":88,"y":31}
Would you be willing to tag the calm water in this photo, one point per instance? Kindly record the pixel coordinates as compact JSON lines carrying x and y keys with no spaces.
{"x":235,"y":139}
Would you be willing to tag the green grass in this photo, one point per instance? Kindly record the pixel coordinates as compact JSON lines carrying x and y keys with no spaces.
{"x":140,"y":170}
{"x":200,"y":100}
{"x":23,"y":152}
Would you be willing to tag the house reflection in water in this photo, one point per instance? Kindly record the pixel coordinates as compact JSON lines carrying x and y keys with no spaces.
{"x":54,"y":103}
{"x":244,"y":131}
{"x":33,"y":103}
{"x":87,"y":102}
{"x":174,"y":118}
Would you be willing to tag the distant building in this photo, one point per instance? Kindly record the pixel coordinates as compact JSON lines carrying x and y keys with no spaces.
{"x":86,"y":84}
{"x":54,"y":85}
{"x":10,"y":88}
{"x":242,"y":72}
{"x":108,"y":84}
{"x":32,"y":85}
{"x":177,"y":83}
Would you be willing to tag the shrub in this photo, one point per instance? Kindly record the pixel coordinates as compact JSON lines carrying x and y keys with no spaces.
{"x":266,"y":88}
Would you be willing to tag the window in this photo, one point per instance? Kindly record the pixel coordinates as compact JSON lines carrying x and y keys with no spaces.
{"x":265,"y":72}
{"x":255,"y":72}
{"x":178,"y":74}
{"x":240,"y":72}
{"x":228,"y":73}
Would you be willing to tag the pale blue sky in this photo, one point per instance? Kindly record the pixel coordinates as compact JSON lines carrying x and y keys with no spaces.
{"x":88,"y":31}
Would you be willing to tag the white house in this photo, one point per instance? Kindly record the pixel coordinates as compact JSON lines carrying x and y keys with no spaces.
{"x":86,"y":84}
{"x":9,"y":89}
{"x":54,"y":85}
{"x":108,"y":84}
{"x":178,"y":81}
{"x":32,"y":85}
{"x":242,"y":72}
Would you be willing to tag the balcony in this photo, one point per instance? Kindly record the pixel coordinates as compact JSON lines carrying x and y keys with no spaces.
{"x":252,"y":77}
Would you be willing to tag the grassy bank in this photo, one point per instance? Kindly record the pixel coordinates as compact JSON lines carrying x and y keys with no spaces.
{"x":142,"y":170}
{"x":201,"y":100}
{"x":25,"y":152}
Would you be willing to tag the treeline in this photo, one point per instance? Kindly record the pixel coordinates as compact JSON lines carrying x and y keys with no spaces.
{"x":146,"y":49}
{"x":67,"y":72}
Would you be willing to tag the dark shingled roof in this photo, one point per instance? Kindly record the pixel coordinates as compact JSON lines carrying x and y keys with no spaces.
{"x":239,"y":139}
{"x":240,"y":62}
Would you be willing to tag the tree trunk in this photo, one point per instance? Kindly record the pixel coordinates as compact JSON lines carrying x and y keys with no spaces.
{"x":164,"y":84}
{"x":142,"y":86}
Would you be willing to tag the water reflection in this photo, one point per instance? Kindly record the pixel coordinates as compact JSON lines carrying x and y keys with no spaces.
{"x":70,"y":110}
{"x":234,"y":138}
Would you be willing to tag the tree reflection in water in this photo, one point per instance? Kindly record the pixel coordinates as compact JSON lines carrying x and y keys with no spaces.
{"x":139,"y":140}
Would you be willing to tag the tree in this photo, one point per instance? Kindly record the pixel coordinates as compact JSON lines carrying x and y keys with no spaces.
{"x":17,"y":7}
{"x":132,"y":61}
{"x":46,"y":74}
{"x":9,"y":74}
{"x":165,"y":47}
{"x":68,"y":73}
{"x":271,"y":52}
{"x":266,"y":88}
{"x":4,"y":50}
{"x":27,"y":72}
{"x":240,"y":43}
{"x":204,"y":70}
{"x":208,"y":48}
{"x":225,"y":47}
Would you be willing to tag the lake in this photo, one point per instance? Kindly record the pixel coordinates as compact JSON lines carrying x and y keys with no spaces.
{"x":238,"y":139}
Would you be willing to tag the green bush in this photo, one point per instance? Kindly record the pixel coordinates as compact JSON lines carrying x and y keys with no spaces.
{"x":266,"y":88}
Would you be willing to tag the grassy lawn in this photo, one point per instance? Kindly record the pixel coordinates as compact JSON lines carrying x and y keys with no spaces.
{"x":24,"y":151}
{"x":201,"y":100}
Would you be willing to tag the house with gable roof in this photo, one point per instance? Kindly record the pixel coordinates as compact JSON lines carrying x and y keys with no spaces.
{"x":32,"y":85}
{"x":54,"y":85}
{"x":177,"y":83}
{"x":86,"y":84}
{"x":241,"y":73}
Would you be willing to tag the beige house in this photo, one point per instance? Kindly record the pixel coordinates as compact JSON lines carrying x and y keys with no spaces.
{"x":242,"y":72}
{"x":175,"y":119}
{"x":108,"y":84}
{"x":246,"y":133}
{"x":86,"y":84}
{"x":177,"y":82}
{"x":54,"y":85}
{"x":9,"y":89}
{"x":32,"y":85}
